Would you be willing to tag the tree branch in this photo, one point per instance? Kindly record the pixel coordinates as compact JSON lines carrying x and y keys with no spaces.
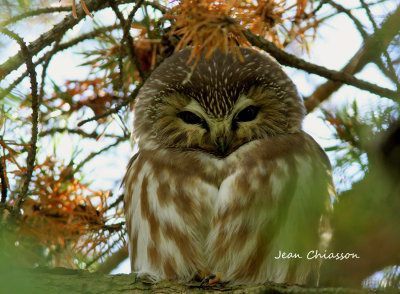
{"x":119,"y":200}
{"x":50,"y":53}
{"x":92,"y":135}
{"x":126,"y":26}
{"x":63,"y":280}
{"x":369,"y":52}
{"x":35,"y":118}
{"x":389,"y":71}
{"x":156,"y":5}
{"x":285,"y":58}
{"x":125,"y":102}
{"x":3,"y":182}
{"x":36,"y":12}
{"x":60,"y":29}
{"x":116,"y":108}
{"x":46,"y":63}
{"x":50,"y":36}
{"x":113,"y":261}
{"x":356,"y":22}
{"x":94,"y":154}
{"x":102,"y":254}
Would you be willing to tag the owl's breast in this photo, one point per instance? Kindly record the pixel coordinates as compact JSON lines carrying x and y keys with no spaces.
{"x":191,"y":211}
{"x":179,"y":188}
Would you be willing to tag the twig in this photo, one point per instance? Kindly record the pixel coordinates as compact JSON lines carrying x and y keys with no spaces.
{"x":58,"y":30}
{"x":88,"y":264}
{"x":118,"y":201}
{"x":285,"y":58}
{"x":121,"y":49}
{"x":46,"y":63}
{"x":320,"y":4}
{"x":31,"y":13}
{"x":390,"y":72}
{"x":113,"y":260}
{"x":121,"y":84}
{"x":368,"y":12}
{"x":125,"y":102}
{"x":369,"y":52}
{"x":35,"y":118}
{"x":92,"y":135}
{"x":113,"y":228}
{"x":50,"y":36}
{"x":127,"y":38}
{"x":94,"y":154}
{"x":116,"y":108}
{"x":156,"y":5}
{"x":356,"y":22}
{"x":389,"y":69}
{"x":60,"y":48}
{"x":3,"y":183}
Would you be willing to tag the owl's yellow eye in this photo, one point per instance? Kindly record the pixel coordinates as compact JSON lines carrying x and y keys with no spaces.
{"x":247,"y":114}
{"x":190,"y":118}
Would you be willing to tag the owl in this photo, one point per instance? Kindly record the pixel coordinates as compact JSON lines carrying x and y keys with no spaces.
{"x":225,"y":181}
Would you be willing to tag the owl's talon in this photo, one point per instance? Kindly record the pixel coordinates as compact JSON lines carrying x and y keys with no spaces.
{"x":206,"y":280}
{"x":210,"y":280}
{"x":199,"y":277}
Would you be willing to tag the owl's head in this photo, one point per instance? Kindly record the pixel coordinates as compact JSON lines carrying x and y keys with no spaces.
{"x":216,"y":106}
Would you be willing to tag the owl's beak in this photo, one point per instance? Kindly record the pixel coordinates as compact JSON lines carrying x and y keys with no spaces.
{"x":223,"y":144}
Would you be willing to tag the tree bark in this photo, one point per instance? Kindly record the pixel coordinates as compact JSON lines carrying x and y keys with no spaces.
{"x":62,"y":280}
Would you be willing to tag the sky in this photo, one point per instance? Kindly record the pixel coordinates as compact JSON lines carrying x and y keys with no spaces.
{"x":336,"y":42}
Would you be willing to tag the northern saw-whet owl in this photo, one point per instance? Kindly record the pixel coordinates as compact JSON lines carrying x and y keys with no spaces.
{"x":225,"y":179}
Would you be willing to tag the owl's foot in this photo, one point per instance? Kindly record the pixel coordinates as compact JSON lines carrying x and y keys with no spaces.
{"x":200,"y":276}
{"x":211,"y":279}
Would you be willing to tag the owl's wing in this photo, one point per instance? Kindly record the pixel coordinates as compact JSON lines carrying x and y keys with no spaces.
{"x":276,"y":202}
{"x":164,"y":216}
{"x":128,"y":167}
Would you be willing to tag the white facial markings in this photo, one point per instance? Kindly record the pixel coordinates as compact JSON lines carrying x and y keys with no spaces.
{"x":196,"y":108}
{"x":242,"y":102}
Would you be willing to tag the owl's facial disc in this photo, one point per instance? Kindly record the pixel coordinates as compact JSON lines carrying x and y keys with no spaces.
{"x":219,"y":135}
{"x":216,"y":106}
{"x":188,"y":124}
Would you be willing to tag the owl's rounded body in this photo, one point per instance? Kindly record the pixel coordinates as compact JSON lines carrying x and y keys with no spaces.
{"x":225,"y":180}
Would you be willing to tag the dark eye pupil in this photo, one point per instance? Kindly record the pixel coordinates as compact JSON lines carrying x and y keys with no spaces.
{"x":189,"y":117}
{"x":248,"y":114}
